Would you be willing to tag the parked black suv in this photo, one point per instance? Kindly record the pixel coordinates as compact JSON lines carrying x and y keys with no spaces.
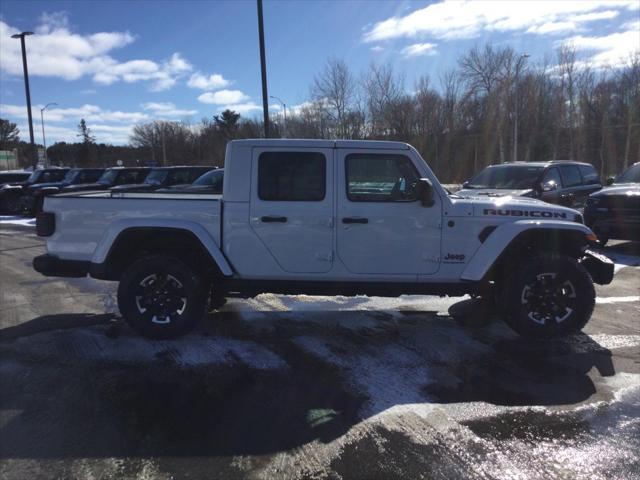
{"x":110,"y":178}
{"x":210,"y":182}
{"x":563,"y":182}
{"x":164,"y":177}
{"x":10,"y":194}
{"x":8,"y":177}
{"x":614,"y":211}
{"x":33,"y":196}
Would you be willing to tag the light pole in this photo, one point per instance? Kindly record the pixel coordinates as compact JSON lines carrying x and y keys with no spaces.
{"x":263,"y":70}
{"x":523,"y":57}
{"x":26,"y":88}
{"x":44,"y":139}
{"x":284,"y":109}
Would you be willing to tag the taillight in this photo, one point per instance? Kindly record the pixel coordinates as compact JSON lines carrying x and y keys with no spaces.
{"x":45,"y":224}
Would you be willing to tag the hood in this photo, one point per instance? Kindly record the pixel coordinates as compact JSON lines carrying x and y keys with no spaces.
{"x":85,"y":186}
{"x":38,"y":186}
{"x":135,"y":187}
{"x":512,"y":208}
{"x":494,"y":192}
{"x":619,"y":189}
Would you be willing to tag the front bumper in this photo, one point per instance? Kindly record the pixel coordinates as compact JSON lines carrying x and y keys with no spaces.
{"x":599,"y":267}
{"x":51,"y":266}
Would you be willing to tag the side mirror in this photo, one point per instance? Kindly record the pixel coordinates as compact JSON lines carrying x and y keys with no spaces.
{"x":425,"y":192}
{"x":465,"y":184}
{"x":610,"y":180}
{"x":549,"y":186}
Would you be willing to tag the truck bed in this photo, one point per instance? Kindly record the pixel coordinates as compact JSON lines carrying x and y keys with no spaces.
{"x":87,"y":220}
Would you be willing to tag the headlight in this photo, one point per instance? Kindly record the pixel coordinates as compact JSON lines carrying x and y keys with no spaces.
{"x":593,"y":201}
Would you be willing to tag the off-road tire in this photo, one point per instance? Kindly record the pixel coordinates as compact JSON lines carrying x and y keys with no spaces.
{"x":532,"y":312}
{"x":161,"y":297}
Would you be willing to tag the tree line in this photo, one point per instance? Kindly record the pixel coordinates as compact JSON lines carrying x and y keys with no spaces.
{"x":460,"y":122}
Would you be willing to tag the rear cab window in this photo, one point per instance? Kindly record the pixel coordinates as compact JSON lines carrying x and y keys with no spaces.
{"x":292,"y":176}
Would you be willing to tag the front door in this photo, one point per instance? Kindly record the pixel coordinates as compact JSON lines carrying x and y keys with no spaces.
{"x":382,"y":227}
{"x":292,"y":206}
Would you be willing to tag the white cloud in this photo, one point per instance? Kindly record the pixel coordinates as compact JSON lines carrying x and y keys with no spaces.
{"x":611,"y":50}
{"x":212,"y":82}
{"x":377,"y":48}
{"x":242,"y":107}
{"x":56,"y":51}
{"x":91,"y":113}
{"x":418,"y":49}
{"x":167,"y":110}
{"x":468,"y":18}
{"x":223,"y":97}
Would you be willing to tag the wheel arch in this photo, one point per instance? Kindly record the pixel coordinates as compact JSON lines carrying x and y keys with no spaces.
{"x":124,"y":245}
{"x":509,"y":243}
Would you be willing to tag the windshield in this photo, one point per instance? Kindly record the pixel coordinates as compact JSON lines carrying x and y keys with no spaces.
{"x":156,"y":177}
{"x":34,"y":176}
{"x":209,"y":178}
{"x":506,"y":176}
{"x":108,"y":177}
{"x":71,"y":175}
{"x":630,"y":175}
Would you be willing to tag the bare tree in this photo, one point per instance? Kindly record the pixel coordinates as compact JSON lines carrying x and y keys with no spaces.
{"x":335,"y":87}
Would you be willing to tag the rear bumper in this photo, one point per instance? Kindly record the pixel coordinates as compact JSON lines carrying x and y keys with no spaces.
{"x":51,"y":266}
{"x":599,"y":267}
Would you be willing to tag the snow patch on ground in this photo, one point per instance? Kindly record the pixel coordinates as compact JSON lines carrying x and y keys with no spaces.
{"x":606,"y":300}
{"x":17,"y":220}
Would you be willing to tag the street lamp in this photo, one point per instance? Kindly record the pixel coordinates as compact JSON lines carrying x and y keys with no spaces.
{"x":26,"y":88}
{"x":44,"y":140}
{"x":284,"y":108}
{"x":522,"y":58}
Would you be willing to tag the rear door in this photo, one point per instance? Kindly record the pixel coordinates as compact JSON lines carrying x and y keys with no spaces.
{"x":382,"y":227}
{"x":590,"y":182}
{"x":292,"y":200}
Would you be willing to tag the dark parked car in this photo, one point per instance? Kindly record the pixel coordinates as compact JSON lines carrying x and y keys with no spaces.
{"x":33,"y":196}
{"x":13,"y":177}
{"x":210,"y":182}
{"x":563,"y":182}
{"x":110,"y":178}
{"x":164,"y":177}
{"x":10,"y":194}
{"x":614,"y":211}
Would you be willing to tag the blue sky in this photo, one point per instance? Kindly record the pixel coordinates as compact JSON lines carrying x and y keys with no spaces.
{"x":116,"y":63}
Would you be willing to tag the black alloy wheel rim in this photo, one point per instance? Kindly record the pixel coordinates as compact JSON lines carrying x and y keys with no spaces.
{"x":549,"y":298}
{"x":161,"y":298}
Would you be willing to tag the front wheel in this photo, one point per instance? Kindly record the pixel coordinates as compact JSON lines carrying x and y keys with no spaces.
{"x":550,"y":296}
{"x":161,"y":297}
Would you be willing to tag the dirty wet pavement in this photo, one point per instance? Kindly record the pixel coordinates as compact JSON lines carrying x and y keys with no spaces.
{"x":305,"y":387}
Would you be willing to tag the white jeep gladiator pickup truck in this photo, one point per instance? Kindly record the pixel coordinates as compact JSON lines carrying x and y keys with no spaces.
{"x":324,"y":217}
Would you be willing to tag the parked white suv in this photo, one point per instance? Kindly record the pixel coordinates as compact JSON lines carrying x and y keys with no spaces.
{"x":324,"y":217}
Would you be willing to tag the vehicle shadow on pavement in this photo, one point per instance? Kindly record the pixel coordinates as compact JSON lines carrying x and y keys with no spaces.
{"x":276,"y":383}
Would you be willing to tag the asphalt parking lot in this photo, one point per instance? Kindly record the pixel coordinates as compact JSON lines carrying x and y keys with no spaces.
{"x":306,"y":387}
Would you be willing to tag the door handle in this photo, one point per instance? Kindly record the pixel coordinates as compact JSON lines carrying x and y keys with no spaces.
{"x":274,"y":219}
{"x":355,"y":220}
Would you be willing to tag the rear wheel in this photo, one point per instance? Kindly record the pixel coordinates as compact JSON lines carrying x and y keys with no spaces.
{"x":551,"y":296}
{"x":161,"y":297}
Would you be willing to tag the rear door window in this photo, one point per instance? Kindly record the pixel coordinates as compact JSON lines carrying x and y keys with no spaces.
{"x":292,"y":176}
{"x":589,"y":175}
{"x":571,"y":176}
